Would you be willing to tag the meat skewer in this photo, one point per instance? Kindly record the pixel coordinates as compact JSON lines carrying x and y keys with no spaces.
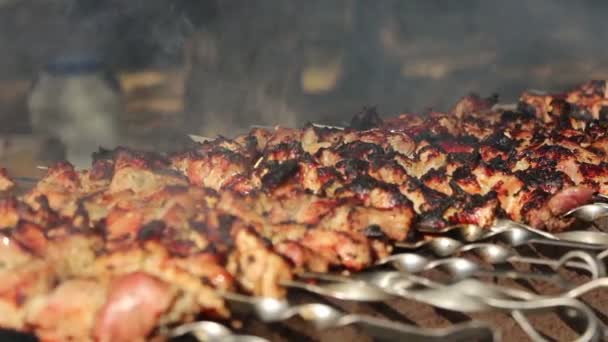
{"x":247,"y":214}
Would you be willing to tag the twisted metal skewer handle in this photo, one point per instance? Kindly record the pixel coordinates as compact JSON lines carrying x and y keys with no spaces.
{"x":384,"y":330}
{"x":209,"y":331}
{"x":323,"y":316}
{"x":566,"y":244}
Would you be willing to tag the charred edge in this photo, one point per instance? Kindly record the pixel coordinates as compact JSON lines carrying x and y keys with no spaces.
{"x":435,"y":174}
{"x":536,"y":199}
{"x":230,"y":155}
{"x":477,"y":201}
{"x":43,"y":201}
{"x":81,"y":216}
{"x":500,"y":142}
{"x":446,"y":138}
{"x":251,"y":145}
{"x":150,"y":160}
{"x":603,"y":115}
{"x":514,"y":116}
{"x":560,"y":108}
{"x":279,"y":173}
{"x":225,"y":225}
{"x":526,"y":109}
{"x":360,"y":149}
{"x":592,"y":171}
{"x":353,"y":167}
{"x":554,"y":152}
{"x":151,"y":230}
{"x":547,"y":180}
{"x":430,"y":220}
{"x":291,"y":148}
{"x":181,"y":248}
{"x":579,"y":113}
{"x":374,"y":231}
{"x":498,"y":164}
{"x":366,"y":119}
{"x":433,"y":199}
{"x":471,"y":159}
{"x":102,"y":169}
{"x":363,"y":184}
{"x":463,"y":173}
{"x":328,"y":173}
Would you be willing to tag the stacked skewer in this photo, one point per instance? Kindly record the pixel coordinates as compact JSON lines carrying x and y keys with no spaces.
{"x":430,"y":209}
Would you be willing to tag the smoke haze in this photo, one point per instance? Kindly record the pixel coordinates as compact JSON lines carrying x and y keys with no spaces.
{"x":288,"y":62}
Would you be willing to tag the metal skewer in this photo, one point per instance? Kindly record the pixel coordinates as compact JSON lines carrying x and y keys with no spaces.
{"x":517,"y":234}
{"x":209,"y":331}
{"x":589,"y":212}
{"x":323,"y":316}
{"x":471,"y":295}
{"x":467,"y":295}
{"x":199,"y":138}
{"x":443,"y":246}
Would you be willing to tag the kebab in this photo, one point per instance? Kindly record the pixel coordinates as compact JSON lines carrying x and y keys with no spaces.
{"x":247,"y":213}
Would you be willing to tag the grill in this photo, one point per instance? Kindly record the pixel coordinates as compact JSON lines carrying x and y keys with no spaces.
{"x":423,"y":291}
{"x":553,"y":323}
{"x":491,"y":280}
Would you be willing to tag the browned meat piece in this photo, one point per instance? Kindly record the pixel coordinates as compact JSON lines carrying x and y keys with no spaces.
{"x":302,"y":257}
{"x":23,"y":277}
{"x":215,"y":169}
{"x":472,"y":104}
{"x":9,"y":212}
{"x":139,"y":176}
{"x":6,"y":183}
{"x":318,"y":179}
{"x":303,"y":209}
{"x":475,"y":209}
{"x":340,"y":248}
{"x":394,"y":223}
{"x":60,"y":188}
{"x":69,"y":312}
{"x":257,"y":268}
{"x":123,"y":224}
{"x":153,"y":237}
{"x":155,"y":260}
{"x":427,"y":158}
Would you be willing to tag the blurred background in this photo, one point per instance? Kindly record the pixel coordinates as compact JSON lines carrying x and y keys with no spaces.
{"x":78,"y":73}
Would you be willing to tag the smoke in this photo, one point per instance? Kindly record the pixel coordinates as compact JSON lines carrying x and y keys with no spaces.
{"x":325,"y":60}
{"x":288,"y":62}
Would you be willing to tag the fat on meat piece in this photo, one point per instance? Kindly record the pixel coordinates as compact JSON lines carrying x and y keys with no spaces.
{"x":134,"y":305}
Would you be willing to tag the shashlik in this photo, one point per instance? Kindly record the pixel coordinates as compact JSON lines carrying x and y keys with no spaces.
{"x":143,"y":240}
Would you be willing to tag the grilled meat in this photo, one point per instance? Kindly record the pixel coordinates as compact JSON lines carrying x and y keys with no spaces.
{"x":142,"y":240}
{"x":6,"y":183}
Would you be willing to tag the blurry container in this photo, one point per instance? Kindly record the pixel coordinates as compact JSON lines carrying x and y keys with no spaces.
{"x":154,"y":90}
{"x":78,"y":101}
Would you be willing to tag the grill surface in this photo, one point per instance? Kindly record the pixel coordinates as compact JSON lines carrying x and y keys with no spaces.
{"x":552,"y":325}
